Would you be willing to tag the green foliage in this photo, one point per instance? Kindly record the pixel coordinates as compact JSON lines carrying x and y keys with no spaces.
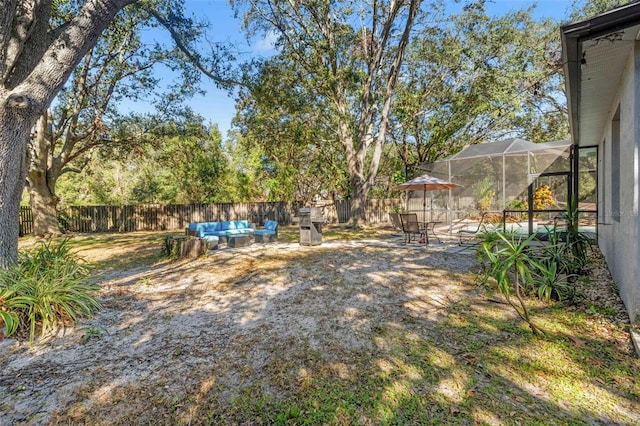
{"x":87,"y":133}
{"x":7,"y":316}
{"x":47,"y":288}
{"x":517,"y":205}
{"x":484,"y":193}
{"x":510,"y":267}
{"x":185,"y":164}
{"x":300,"y":157}
{"x":325,"y":99}
{"x":550,"y":281}
{"x":588,"y":8}
{"x":577,"y":241}
{"x":194,"y":163}
{"x":91,"y":333}
{"x":477,"y":78}
{"x":521,"y":268}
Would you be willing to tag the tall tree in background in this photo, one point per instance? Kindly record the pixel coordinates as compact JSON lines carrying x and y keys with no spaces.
{"x":195,"y":164}
{"x":479,"y":78}
{"x":118,"y":67}
{"x":36,"y":58}
{"x":67,"y":136}
{"x":351,"y":54}
{"x":587,"y":8}
{"x":181,"y":162}
{"x":300,"y":158}
{"x":85,"y":113}
{"x":41,"y":43}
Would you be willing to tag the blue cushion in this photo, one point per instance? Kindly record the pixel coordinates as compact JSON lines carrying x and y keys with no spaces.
{"x":265,"y":232}
{"x":210,"y":227}
{"x":270,"y":225}
{"x":201,"y":228}
{"x":226,"y":225}
{"x":242,"y":224}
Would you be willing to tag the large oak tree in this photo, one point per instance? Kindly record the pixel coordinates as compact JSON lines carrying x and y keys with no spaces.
{"x":351,"y":54}
{"x":36,"y":59}
{"x":479,"y":78}
{"x":82,"y":117}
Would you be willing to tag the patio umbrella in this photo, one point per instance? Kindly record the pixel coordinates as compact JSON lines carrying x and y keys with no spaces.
{"x":426,"y":183}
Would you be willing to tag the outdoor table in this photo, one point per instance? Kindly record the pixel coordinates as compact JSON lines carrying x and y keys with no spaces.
{"x":239,"y":240}
{"x":429,"y":226}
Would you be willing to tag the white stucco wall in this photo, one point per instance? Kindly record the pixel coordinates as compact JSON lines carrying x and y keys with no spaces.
{"x":618,"y":235}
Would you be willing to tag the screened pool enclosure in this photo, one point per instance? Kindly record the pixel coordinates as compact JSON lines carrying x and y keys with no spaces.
{"x":512,"y":179}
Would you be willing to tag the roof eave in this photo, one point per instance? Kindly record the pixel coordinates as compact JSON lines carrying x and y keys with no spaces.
{"x":573,"y":35}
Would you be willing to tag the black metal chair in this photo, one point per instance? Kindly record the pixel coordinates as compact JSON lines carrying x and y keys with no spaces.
{"x":411,"y":226}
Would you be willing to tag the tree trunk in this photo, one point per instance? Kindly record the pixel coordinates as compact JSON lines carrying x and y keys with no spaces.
{"x":359,"y":194}
{"x":34,"y":65}
{"x":44,"y":207}
{"x":41,"y":180}
{"x":15,"y":126}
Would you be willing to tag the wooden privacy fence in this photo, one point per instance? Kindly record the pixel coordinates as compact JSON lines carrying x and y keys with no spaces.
{"x":156,"y":217}
{"x":26,"y":220}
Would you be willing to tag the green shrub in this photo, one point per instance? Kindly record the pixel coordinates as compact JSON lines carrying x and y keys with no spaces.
{"x":7,"y":316}
{"x":517,"y":205}
{"x":520,"y":268}
{"x":48,"y":287}
{"x":510,"y":267}
{"x":577,"y":241}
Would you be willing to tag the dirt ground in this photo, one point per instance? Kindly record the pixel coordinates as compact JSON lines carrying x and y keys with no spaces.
{"x":175,"y":333}
{"x":168,"y":324}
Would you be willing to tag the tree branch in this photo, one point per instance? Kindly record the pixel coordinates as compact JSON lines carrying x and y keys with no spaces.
{"x":191,"y":56}
{"x":60,"y":58}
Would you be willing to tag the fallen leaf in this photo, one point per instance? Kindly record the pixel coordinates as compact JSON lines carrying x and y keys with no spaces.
{"x":577,"y":341}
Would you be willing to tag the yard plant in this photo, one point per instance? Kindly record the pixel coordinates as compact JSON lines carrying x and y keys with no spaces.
{"x":520,"y":267}
{"x":510,"y":267}
{"x":48,"y":287}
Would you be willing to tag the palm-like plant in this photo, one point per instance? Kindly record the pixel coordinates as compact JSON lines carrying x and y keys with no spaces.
{"x":510,"y":267}
{"x":576,"y":241}
{"x":550,"y":280}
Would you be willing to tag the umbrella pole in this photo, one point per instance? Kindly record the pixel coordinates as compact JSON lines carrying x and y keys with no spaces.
{"x":424,"y":205}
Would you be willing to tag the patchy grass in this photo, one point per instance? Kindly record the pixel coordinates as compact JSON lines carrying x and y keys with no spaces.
{"x":475,"y":362}
{"x":114,"y":251}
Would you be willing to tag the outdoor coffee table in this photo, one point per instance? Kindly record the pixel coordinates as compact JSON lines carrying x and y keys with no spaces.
{"x":239,"y":240}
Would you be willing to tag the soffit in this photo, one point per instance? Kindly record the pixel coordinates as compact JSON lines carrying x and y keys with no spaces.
{"x":603,"y":63}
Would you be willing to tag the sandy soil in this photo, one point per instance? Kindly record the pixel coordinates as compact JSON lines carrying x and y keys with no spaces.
{"x":186,"y":326}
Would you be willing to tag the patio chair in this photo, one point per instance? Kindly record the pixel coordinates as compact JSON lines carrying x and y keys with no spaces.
{"x":472,"y":231}
{"x":410,"y":226}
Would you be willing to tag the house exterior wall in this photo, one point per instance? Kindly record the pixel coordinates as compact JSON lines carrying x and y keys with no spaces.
{"x":619,"y":222}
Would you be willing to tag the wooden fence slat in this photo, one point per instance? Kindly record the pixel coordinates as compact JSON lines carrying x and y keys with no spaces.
{"x":156,"y":217}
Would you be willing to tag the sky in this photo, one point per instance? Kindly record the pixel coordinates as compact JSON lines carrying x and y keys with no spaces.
{"x":218,"y":107}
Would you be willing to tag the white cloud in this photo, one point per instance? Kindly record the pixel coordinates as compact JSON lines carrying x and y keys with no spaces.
{"x":267,"y":43}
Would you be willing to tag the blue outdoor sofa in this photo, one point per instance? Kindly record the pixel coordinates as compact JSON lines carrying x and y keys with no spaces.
{"x":268,"y":233}
{"x":216,"y":232}
{"x":220,"y":230}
